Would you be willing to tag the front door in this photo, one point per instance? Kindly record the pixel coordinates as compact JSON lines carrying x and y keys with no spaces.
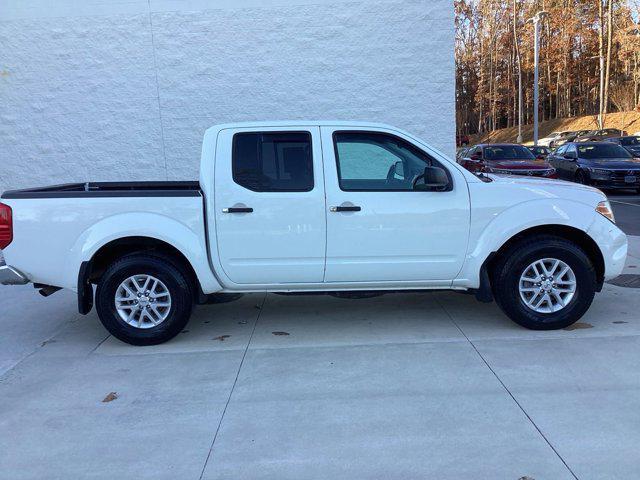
{"x":270,"y":205}
{"x":379,"y":228}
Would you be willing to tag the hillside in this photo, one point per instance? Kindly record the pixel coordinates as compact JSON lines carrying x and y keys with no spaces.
{"x":629,"y":121}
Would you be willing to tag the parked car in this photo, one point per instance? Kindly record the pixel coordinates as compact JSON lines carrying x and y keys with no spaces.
{"x":461,"y":152}
{"x":599,"y":135}
{"x":462,"y":139}
{"x":630,"y":143}
{"x":506,"y":159}
{"x":539,"y":152}
{"x":602,"y":164}
{"x":274,"y":211}
{"x":567,"y":137}
{"x":546,"y":141}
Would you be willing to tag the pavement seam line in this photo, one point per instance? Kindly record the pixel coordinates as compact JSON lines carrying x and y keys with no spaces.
{"x":224,"y":411}
{"x":36,"y":349}
{"x":509,"y":392}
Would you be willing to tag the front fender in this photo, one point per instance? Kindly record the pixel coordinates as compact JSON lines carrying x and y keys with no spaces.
{"x":491,"y":230}
{"x":192,"y":244}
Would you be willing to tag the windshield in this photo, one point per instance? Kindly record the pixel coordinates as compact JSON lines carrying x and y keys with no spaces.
{"x":602,"y":151}
{"x":507,"y":152}
{"x":627,"y":141}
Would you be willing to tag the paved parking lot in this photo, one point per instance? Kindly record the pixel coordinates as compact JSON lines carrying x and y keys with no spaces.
{"x":626,"y":206}
{"x":409,"y":386}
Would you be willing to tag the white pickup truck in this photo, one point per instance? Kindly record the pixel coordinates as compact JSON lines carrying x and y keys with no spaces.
{"x":308,"y":207}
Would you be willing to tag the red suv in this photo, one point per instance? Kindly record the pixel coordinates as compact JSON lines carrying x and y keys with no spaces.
{"x":506,"y":159}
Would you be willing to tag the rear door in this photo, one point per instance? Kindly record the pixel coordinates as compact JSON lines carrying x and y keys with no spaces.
{"x":379,"y":228}
{"x":270,"y":205}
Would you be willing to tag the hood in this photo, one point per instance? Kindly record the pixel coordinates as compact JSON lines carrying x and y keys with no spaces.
{"x":613,"y":163}
{"x":519,"y":164}
{"x":540,"y":187}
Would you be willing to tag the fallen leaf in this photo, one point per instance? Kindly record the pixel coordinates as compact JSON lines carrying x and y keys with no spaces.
{"x":46,"y":342}
{"x":280,"y":333}
{"x":579,"y":326}
{"x":221,"y":338}
{"x":110,"y":397}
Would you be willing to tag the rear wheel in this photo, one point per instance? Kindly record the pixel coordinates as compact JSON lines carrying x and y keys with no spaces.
{"x":144,"y":299}
{"x":544,"y":283}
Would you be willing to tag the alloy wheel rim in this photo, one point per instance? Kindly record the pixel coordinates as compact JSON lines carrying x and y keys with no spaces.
{"x":547,"y":285}
{"x":143,"y":301}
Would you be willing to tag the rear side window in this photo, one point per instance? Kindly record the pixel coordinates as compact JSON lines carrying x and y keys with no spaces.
{"x":273,"y":161}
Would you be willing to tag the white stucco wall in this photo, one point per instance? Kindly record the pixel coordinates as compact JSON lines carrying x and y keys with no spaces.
{"x":119,"y":90}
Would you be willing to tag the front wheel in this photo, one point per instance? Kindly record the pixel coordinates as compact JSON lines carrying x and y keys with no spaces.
{"x":144,"y":299}
{"x":582,"y":178}
{"x":544,"y":283}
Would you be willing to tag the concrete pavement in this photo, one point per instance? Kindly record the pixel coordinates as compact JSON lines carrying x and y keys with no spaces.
{"x":422,"y":385}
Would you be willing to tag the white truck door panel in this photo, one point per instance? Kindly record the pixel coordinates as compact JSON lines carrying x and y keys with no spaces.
{"x":277,"y":175}
{"x":388,"y":231}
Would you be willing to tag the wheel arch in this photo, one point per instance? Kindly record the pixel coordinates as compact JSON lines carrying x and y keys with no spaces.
{"x":91,"y":270}
{"x":575,"y":235}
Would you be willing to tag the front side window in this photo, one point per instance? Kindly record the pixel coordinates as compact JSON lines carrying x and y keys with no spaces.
{"x":371,"y":161}
{"x":273,"y":161}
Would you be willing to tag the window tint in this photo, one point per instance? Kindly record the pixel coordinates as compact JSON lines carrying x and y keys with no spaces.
{"x":273,"y":162}
{"x":369,"y":161}
{"x":561,"y":149}
{"x":507,"y":152}
{"x":626,"y":141}
{"x":602,"y":151}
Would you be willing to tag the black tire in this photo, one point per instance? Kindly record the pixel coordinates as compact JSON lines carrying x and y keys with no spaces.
{"x":512,"y":264}
{"x":168,"y":272}
{"x":582,"y":178}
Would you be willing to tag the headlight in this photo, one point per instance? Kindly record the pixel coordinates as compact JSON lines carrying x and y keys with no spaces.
{"x":604,"y":209}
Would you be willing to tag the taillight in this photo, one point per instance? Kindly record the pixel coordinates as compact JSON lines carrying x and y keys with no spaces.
{"x":6,"y":226}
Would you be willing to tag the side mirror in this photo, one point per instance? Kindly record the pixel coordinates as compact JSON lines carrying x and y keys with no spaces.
{"x":476,"y":157}
{"x":569,"y":156}
{"x":540,"y":157}
{"x":434,"y":179}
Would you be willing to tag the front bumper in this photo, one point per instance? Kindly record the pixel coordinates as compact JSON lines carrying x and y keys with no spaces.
{"x":612,"y":243}
{"x":11,"y":276}
{"x":616,"y":179}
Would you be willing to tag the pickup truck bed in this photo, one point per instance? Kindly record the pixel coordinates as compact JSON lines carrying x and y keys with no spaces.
{"x":109,"y":189}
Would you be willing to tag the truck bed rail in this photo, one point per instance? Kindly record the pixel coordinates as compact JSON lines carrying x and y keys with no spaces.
{"x":109,"y":189}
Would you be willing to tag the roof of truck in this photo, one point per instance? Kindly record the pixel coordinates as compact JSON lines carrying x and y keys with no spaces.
{"x":301,"y":123}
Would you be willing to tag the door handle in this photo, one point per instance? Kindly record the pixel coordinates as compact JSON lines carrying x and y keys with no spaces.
{"x":345,"y":208}
{"x":237,"y":210}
